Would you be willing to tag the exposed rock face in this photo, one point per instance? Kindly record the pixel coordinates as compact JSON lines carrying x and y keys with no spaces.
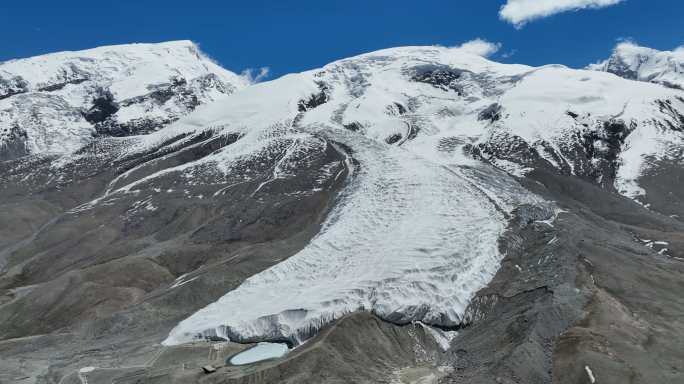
{"x":410,"y":215}
{"x":58,"y":102}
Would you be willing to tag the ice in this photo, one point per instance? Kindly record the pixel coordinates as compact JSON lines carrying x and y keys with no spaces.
{"x":443,"y":338}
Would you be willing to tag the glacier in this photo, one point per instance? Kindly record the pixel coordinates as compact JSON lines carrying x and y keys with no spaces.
{"x":412,"y":236}
{"x":433,"y":139}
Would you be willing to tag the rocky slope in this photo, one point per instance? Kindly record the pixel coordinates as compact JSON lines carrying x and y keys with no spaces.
{"x":409,"y":215}
{"x":58,"y":102}
{"x":665,"y":68}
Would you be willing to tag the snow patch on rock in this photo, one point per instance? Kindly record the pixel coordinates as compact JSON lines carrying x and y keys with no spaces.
{"x":55,"y":103}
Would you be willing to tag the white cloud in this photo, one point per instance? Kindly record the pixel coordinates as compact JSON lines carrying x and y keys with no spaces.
{"x":254,"y":75}
{"x":480,"y":47}
{"x":509,"y":54}
{"x":519,"y":12}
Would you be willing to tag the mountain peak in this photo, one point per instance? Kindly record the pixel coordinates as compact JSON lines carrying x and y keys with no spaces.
{"x":635,"y":62}
{"x":117,"y":90}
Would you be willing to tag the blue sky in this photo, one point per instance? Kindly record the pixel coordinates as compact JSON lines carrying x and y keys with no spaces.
{"x":290,"y":36}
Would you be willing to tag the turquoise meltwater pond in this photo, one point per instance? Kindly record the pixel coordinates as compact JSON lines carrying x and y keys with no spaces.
{"x":260,"y":352}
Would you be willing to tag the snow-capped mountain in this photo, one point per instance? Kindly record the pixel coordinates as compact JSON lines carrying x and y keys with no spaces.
{"x":422,"y":185}
{"x":58,"y":102}
{"x":643,"y":151}
{"x":635,"y":62}
{"x":413,"y":236}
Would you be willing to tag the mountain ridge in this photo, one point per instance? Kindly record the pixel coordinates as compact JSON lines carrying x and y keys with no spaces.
{"x":635,"y":62}
{"x":57,"y":102}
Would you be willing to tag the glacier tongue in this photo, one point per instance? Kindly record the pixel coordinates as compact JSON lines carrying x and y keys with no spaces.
{"x":409,"y":240}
